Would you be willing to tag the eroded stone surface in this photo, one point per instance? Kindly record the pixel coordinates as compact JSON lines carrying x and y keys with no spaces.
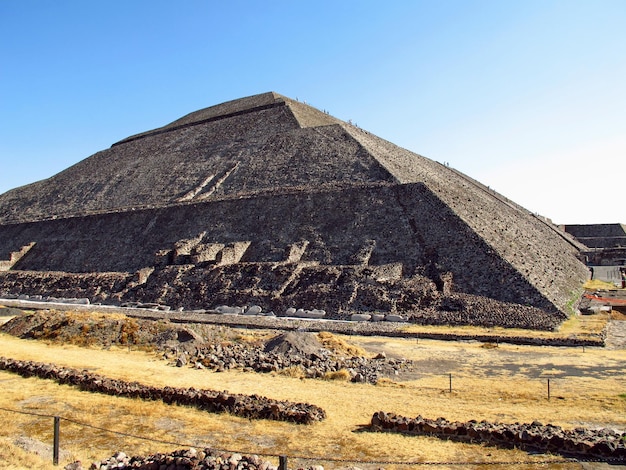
{"x":266,"y":201}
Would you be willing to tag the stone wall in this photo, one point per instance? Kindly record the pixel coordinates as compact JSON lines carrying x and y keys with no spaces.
{"x":14,"y":257}
{"x":599,"y":235}
{"x":254,"y":406}
{"x":97,"y":287}
{"x":604,"y":444}
{"x":596,"y":230}
{"x":344,"y":239}
{"x":606,"y":257}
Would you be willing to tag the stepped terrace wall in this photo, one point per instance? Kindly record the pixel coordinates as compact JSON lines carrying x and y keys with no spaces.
{"x":545,"y":256}
{"x":599,"y":235}
{"x":363,"y":226}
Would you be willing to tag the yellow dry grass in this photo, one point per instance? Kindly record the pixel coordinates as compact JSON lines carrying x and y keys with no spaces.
{"x":584,"y":326}
{"x":597,"y":284}
{"x":341,"y":374}
{"x":339,"y":346}
{"x":13,"y":457}
{"x":293,"y":371}
{"x":493,"y":384}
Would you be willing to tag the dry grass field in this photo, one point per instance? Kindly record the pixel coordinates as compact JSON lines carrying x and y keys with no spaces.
{"x":503,"y":383}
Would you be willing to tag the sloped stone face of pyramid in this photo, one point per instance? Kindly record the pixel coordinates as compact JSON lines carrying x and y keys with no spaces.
{"x":268,"y":201}
{"x":243,"y":147}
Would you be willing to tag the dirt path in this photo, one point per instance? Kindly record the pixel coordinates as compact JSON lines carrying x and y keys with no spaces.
{"x":472,"y":358}
{"x":616,"y":335}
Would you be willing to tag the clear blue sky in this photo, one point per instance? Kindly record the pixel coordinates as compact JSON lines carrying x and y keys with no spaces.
{"x":528,"y":97}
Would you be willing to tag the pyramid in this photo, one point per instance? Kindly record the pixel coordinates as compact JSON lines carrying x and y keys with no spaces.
{"x":268,"y":201}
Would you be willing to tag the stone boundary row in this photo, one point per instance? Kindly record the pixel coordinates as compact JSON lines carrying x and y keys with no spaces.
{"x":247,"y":406}
{"x":519,"y":340}
{"x":604,"y":444}
{"x":390,"y":329}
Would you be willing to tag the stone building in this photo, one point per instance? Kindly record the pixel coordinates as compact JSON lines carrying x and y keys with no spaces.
{"x":605,"y":244}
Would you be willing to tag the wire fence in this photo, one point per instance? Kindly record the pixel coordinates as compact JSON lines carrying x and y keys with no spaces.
{"x":286,"y":461}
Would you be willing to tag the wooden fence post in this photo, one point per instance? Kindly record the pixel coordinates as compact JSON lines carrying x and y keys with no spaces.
{"x":55,"y":447}
{"x":548,"y":389}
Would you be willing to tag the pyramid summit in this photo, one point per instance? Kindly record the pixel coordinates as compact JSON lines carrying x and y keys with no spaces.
{"x":268,"y":201}
{"x":306,"y":116}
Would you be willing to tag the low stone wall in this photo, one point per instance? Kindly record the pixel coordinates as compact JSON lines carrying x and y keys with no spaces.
{"x":204,"y":459}
{"x":521,"y":340}
{"x":369,"y":328}
{"x":604,"y":444}
{"x":254,"y":407}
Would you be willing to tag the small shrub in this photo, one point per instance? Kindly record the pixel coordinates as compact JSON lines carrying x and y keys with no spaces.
{"x":336,"y":344}
{"x":296,"y":372}
{"x":341,"y":374}
{"x":129,"y":331}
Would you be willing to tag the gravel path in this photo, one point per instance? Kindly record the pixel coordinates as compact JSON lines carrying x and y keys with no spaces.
{"x":616,"y":335}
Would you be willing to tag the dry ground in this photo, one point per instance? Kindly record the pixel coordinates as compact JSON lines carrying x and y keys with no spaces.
{"x":505,"y":383}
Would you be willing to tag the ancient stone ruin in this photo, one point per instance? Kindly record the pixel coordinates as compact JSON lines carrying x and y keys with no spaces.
{"x":269,"y":202}
{"x":601,"y":444}
{"x":599,"y":235}
{"x":247,"y":406}
{"x":605,"y":244}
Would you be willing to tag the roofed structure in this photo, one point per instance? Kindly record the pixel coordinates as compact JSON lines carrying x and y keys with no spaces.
{"x":270,"y":201}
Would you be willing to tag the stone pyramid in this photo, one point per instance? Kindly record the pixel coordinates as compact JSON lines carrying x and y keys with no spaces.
{"x":268,"y":201}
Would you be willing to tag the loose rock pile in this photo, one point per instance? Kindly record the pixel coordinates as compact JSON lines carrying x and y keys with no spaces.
{"x":603,"y":444}
{"x":216,"y":351}
{"x":248,"y":406}
{"x":205,"y":459}
{"x":313,"y":364}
